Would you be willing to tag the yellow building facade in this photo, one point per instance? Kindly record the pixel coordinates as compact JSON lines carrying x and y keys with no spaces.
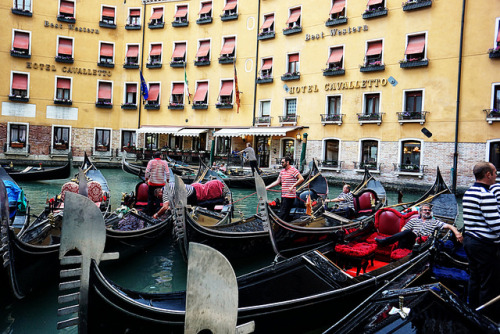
{"x":395,"y":87}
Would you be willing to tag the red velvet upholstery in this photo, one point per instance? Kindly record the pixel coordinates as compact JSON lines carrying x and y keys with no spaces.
{"x":141,"y":197}
{"x":399,"y":253}
{"x":363,"y":202}
{"x":356,"y":249}
{"x":388,"y":221}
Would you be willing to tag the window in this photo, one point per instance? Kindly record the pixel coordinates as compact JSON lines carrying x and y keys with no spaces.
{"x":61,"y":137}
{"x":175,"y":142}
{"x":64,"y":49}
{"x":265,"y":108}
{"x":153,"y":94}
{"x":21,"y":43}
{"x":181,"y":14}
{"x":63,"y":89}
{"x":151,"y":141}
{"x":373,"y":55}
{"x":108,"y":16}
{"x":19,"y":85}
{"x":497,"y":37}
{"x":493,"y":152}
{"x":415,"y":48}
{"x":203,"y":53}
{"x":288,"y":148}
{"x":157,"y":16}
{"x":294,"y":18}
{"x":410,"y":155}
{"x":223,"y":145}
{"x":290,"y":107}
{"x":66,"y":9}
{"x":104,"y":92}
{"x":334,"y":105}
{"x":331,"y":153}
{"x":371,"y":104}
{"x":266,"y":70}
{"x":206,"y":10}
{"x":155,"y":54}
{"x":338,"y":9}
{"x":268,"y":25}
{"x":496,"y":97}
{"x":177,"y":94}
{"x":413,"y":102}
{"x":106,"y":53}
{"x":226,"y":92}
{"x":102,"y":140}
{"x":201,"y":94}
{"x":369,"y":154}
{"x":134,"y":17}
{"x":18,"y":134}
{"x":179,"y":54}
{"x":24,"y":5}
{"x":128,"y":138}
{"x":374,"y":5}
{"x":231,"y":7}
{"x":132,"y":55}
{"x":335,"y":60}
{"x":293,"y":63}
{"x":130,"y":94}
{"x":228,"y":48}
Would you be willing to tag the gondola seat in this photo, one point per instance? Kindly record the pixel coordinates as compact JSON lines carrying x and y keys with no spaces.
{"x":359,"y":253}
{"x":69,"y":186}
{"x":141,"y":197}
{"x":364,"y":202}
{"x":94,"y":191}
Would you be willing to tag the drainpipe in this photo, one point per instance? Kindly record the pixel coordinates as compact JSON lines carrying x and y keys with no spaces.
{"x":457,"y":116}
{"x":142,"y":62}
{"x":256,"y":66}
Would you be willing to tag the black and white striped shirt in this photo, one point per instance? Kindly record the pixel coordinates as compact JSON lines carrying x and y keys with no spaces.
{"x":495,"y":189}
{"x":423,"y":227}
{"x":169,"y":191}
{"x":481,"y":213}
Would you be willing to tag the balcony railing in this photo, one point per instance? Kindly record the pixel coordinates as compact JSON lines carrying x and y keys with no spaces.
{"x":20,"y":53}
{"x":411,"y":116}
{"x":181,"y":23}
{"x":372,"y":67}
{"x":129,"y":106}
{"x":152,"y":106}
{"x":410,"y":169}
{"x":130,"y":26}
{"x":177,"y":63}
{"x":66,"y":102}
{"x":371,"y":13}
{"x":375,"y":118}
{"x":64,"y":59}
{"x":266,"y":35}
{"x":492,"y":115}
{"x":199,"y":106}
{"x":411,"y":63}
{"x":331,"y":165}
{"x":373,"y":166}
{"x":290,"y":76}
{"x":335,"y":22}
{"x":204,"y":20}
{"x":226,"y":60}
{"x":154,"y":64}
{"x":331,"y":119}
{"x":224,"y":105}
{"x":263,"y":120}
{"x":334,"y":71}
{"x":104,"y":104}
{"x":105,"y":24}
{"x":202,"y":62}
{"x":264,"y":79}
{"x":416,"y":4}
{"x":156,"y":25}
{"x":131,"y":65}
{"x":288,"y":119}
{"x":176,"y":106}
{"x":18,"y":98}
{"x":229,"y":17}
{"x":292,"y":30}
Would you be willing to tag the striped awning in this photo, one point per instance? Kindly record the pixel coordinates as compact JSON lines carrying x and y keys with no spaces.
{"x":337,"y":7}
{"x":269,"y":131}
{"x":191,"y":132}
{"x":268,"y":21}
{"x":416,"y":44}
{"x":230,"y":132}
{"x":159,"y":129}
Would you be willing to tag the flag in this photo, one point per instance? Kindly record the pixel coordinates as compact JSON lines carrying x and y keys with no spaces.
{"x":186,"y":88}
{"x":237,"y":91}
{"x":144,"y":87}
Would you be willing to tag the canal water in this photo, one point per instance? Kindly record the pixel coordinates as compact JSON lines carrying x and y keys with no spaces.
{"x":159,"y":269}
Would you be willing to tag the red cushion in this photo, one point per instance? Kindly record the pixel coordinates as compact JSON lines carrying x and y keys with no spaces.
{"x":141,"y":193}
{"x":360,"y":249}
{"x":399,"y":253}
{"x":94,"y":191}
{"x":422,"y":239}
{"x":69,"y":186}
{"x":388,"y":221}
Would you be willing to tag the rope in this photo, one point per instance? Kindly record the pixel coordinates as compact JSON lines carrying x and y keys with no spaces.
{"x":244,"y":197}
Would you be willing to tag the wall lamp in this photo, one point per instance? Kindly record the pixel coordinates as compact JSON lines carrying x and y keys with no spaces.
{"x":299,"y":138}
{"x":244,"y":137}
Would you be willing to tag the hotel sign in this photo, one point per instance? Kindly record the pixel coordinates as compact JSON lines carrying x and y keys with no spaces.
{"x":336,"y":32}
{"x":68,"y":69}
{"x":340,"y":85}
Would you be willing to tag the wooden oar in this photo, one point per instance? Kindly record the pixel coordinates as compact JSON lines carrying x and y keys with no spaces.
{"x":307,"y":182}
{"x":356,"y":191}
{"x":422,"y":202}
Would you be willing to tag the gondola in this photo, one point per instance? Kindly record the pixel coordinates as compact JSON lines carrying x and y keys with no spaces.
{"x":187,"y":173}
{"x":31,"y":173}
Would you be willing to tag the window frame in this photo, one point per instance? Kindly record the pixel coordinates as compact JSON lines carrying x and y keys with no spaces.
{"x":14,"y":36}
{"x":150,"y":60}
{"x":495,"y":87}
{"x":416,"y":34}
{"x":102,"y":16}
{"x":174,"y":44}
{"x":269,"y":73}
{"x":129,"y":21}
{"x":261,"y":109}
{"x":179,"y":19}
{"x":155,"y":142}
{"x":272,"y":27}
{"x":127,"y":45}
{"x":231,"y":11}
{"x":327,"y":106}
{"x":282,"y":145}
{"x":324,"y":146}
{"x":206,"y":15}
{"x":72,"y":45}
{"x":53,"y":142}
{"x":24,"y":5}
{"x":231,"y":97}
{"x":110,"y":144}
{"x":285,"y":106}
{"x":208,"y":91}
{"x":125,"y":92}
{"x":366,"y":59}
{"x":330,"y":49}
{"x":405,"y":99}
{"x":62,"y":14}
{"x":99,"y":52}
{"x":233,"y":54}
{"x":172,"y":84}
{"x":158,"y":100}
{"x":497,"y":32}
{"x":298,"y":22}
{"x":488,"y":154}
{"x":361,"y":153}
{"x":99,"y":81}
{"x":288,"y":63}
{"x":27,"y":83}
{"x":401,"y":161}
{"x":56,"y":89}
{"x":339,"y":15}
{"x":157,"y":21}
{"x":199,"y":42}
{"x":134,"y":136}
{"x":9,"y":134}
{"x":365,"y":96}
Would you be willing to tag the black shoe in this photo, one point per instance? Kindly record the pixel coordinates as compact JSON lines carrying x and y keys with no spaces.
{"x":380,"y":242}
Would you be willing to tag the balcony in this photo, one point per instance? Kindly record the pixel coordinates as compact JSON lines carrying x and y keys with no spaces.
{"x":131,"y":65}
{"x":224,"y":105}
{"x":372,"y":166}
{"x":416,"y":4}
{"x":64,"y":59}
{"x":67,"y":19}
{"x":292,"y":30}
{"x":204,"y":20}
{"x":413,"y":62}
{"x":290,"y":76}
{"x":492,"y":115}
{"x":410,"y":169}
{"x":334,"y":71}
{"x":226,"y":60}
{"x":152,"y":105}
{"x":372,"y":67}
{"x":411,"y":117}
{"x":154,"y":64}
{"x":373,"y":13}
{"x":229,"y":17}
{"x":132,"y":27}
{"x":199,"y":106}
{"x":202,"y":62}
{"x":129,"y":106}
{"x":156,"y":25}
{"x":19,"y":98}
{"x":20,"y":11}
{"x":331,"y":119}
{"x":106,"y":24}
{"x":494,"y":52}
{"x":65,"y":102}
{"x":331,"y":165}
{"x":20,"y":53}
{"x":266,"y":35}
{"x":104,"y":104}
{"x":176,"y":106}
{"x":106,"y":64}
{"x":375,"y":118}
{"x":288,"y":120}
{"x":180,"y":23}
{"x":264,"y":79}
{"x":263,"y":120}
{"x":335,"y":22}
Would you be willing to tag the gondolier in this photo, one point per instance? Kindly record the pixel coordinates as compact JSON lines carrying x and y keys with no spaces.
{"x":482,"y":236}
{"x":157,"y":175}
{"x":252,"y":158}
{"x":289,"y":179}
{"x":167,"y":194}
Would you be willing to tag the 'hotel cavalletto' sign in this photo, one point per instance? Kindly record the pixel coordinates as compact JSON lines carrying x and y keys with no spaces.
{"x":340,"y":85}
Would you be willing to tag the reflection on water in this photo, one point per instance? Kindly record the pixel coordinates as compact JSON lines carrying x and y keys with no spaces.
{"x":158,"y":269}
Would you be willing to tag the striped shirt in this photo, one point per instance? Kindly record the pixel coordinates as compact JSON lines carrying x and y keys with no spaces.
{"x":481,"y":213}
{"x":169,"y":191}
{"x":423,"y":227}
{"x":348,"y":199}
{"x":157,"y":172}
{"x":288,"y":178}
{"x":495,"y":189}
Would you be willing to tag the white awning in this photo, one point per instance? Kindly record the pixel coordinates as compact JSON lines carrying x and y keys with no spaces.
{"x":164,"y":130}
{"x":269,"y":131}
{"x":191,"y":132}
{"x":230,"y":132}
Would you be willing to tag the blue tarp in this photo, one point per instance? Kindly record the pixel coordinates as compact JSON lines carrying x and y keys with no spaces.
{"x":13,"y":193}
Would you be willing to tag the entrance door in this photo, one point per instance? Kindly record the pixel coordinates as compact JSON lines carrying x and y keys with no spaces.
{"x":263,"y":152}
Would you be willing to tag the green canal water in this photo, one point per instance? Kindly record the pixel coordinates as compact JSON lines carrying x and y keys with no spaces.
{"x":159,"y":269}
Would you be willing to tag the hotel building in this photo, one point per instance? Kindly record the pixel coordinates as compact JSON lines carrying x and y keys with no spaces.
{"x":400,"y":88}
